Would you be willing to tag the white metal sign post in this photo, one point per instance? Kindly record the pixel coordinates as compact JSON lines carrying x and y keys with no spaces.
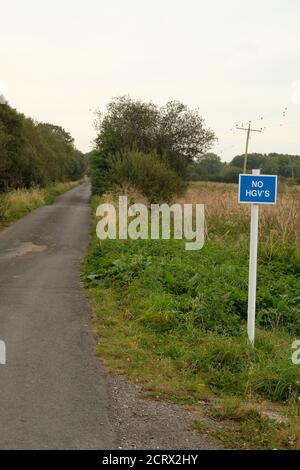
{"x":252,"y":269}
{"x":255,"y":189}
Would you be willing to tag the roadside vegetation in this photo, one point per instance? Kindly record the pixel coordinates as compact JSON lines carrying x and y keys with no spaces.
{"x":174,"y":321}
{"x":157,"y":149}
{"x":38,"y":162}
{"x":147,"y":146}
{"x":19,"y":202}
{"x":34,"y":153}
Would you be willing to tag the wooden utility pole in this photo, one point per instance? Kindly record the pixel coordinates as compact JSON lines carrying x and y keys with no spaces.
{"x":249,"y":130}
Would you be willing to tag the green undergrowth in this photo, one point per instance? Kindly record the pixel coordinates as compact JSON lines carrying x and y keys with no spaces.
{"x":175,"y":321}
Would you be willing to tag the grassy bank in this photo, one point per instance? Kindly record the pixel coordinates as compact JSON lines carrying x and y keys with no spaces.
{"x":17,"y":203}
{"x":175,"y":321}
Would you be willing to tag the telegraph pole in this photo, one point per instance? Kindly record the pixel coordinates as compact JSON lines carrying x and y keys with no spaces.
{"x":248,"y":130}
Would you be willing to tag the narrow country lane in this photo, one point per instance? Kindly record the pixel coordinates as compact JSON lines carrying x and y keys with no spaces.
{"x":53,"y":389}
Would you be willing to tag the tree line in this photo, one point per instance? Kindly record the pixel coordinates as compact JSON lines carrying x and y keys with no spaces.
{"x":209,"y":167}
{"x":34,"y":153}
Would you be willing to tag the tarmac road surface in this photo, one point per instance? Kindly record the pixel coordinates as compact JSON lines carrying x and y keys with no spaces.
{"x":53,"y":389}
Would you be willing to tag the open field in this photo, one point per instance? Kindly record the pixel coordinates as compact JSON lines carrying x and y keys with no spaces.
{"x":175,"y":321}
{"x":227,"y":219}
{"x":17,"y":203}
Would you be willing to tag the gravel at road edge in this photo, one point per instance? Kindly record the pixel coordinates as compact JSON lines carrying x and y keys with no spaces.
{"x":141,"y":423}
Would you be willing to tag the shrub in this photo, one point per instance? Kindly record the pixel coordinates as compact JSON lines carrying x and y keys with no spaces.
{"x":99,"y":172}
{"x":153,"y":178}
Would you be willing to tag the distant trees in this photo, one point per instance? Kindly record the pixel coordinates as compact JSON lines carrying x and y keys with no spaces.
{"x":33,"y":153}
{"x":173,"y":134}
{"x":283,"y":165}
{"x":209,"y":167}
{"x":230,"y":173}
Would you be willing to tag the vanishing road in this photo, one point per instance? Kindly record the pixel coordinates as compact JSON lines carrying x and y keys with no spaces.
{"x":53,"y":389}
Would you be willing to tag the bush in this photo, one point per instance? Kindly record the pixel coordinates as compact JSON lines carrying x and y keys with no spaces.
{"x":98,"y":172}
{"x":153,"y":178}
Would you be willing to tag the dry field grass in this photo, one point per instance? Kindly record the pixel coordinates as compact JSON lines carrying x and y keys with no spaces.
{"x":225,"y":217}
{"x":278,"y":223}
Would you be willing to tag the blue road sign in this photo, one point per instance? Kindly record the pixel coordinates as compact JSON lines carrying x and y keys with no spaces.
{"x":258,"y":189}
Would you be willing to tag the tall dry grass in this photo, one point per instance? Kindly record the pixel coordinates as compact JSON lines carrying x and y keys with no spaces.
{"x":225,"y":217}
{"x":17,"y":203}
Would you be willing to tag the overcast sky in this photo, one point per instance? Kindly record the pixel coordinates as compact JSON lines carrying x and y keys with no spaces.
{"x":233,"y":60}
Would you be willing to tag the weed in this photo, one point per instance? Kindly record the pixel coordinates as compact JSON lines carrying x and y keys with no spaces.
{"x":176,"y":320}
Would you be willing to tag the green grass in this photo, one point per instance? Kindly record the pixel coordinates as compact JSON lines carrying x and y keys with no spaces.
{"x":17,"y":203}
{"x":248,"y":425}
{"x":175,"y":321}
{"x":257,"y":432}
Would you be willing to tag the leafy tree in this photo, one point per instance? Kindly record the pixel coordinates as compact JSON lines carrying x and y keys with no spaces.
{"x":11,"y":142}
{"x":33,"y":153}
{"x":127,"y":125}
{"x":175,"y":133}
{"x":61,"y":132}
{"x":181,"y":136}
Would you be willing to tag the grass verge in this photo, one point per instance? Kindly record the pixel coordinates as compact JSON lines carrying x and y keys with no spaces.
{"x":17,"y":203}
{"x":175,"y":322}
